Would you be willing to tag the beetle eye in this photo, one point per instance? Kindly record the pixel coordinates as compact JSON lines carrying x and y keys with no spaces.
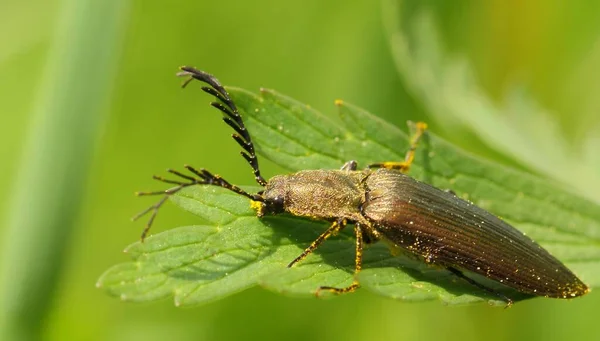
{"x":276,"y":205}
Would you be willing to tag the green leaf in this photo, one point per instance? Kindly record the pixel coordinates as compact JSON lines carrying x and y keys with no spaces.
{"x":196,"y":264}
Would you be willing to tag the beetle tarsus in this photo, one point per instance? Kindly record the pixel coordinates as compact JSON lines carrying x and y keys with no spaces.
{"x":404,"y":166}
{"x":338,"y":291}
{"x":358,"y":232}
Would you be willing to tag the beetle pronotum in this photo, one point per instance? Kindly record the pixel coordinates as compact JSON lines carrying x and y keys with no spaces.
{"x":384,"y":203}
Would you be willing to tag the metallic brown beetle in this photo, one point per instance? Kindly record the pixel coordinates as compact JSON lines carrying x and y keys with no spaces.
{"x":384,"y":203}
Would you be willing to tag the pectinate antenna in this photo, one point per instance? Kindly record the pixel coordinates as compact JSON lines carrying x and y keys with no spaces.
{"x":232,"y":116}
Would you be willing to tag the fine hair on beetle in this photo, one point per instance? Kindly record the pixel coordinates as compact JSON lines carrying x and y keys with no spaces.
{"x":383,"y":203}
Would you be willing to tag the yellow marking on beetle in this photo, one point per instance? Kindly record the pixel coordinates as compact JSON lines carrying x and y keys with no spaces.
{"x":257,"y":206}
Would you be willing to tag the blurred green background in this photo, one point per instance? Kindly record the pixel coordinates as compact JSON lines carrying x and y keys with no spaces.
{"x":91,"y":109}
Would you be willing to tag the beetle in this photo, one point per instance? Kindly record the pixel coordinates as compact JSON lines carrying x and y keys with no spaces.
{"x":383,"y":203}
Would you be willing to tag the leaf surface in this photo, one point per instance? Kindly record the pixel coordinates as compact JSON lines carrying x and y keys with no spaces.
{"x":237,"y":250}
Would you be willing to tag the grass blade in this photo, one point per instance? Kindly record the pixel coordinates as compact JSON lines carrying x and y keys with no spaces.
{"x":69,"y":111}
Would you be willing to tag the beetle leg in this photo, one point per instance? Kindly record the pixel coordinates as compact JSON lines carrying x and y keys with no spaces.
{"x":370,"y":236}
{"x":357,"y":265}
{"x":404,"y":166}
{"x":336,"y":227}
{"x":350,"y":166}
{"x":458,"y":273}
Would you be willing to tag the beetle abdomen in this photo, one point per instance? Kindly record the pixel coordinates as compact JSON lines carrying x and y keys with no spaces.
{"x":449,"y":231}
